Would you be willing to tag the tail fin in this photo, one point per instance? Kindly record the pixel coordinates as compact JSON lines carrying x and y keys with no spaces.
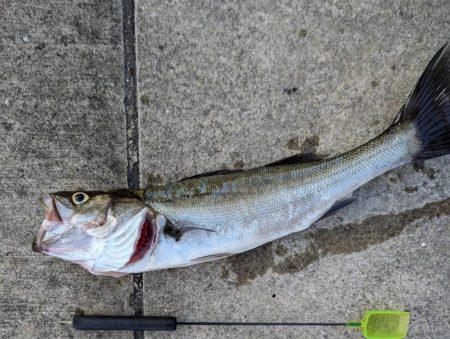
{"x":429,"y":107}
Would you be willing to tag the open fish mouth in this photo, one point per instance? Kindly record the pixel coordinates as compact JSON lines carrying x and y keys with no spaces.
{"x":52,"y":220}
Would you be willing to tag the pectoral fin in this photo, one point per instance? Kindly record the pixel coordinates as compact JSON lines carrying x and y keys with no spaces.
{"x":177,"y":232}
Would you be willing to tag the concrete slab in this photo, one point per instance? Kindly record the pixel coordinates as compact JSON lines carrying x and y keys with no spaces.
{"x":231,"y":85}
{"x":62,"y":126}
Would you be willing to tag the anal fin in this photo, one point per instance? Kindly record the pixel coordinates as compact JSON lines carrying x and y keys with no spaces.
{"x":211,"y":257}
{"x":337,"y":206}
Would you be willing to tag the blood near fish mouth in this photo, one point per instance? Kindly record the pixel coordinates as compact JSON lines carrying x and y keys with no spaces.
{"x":146,"y":240}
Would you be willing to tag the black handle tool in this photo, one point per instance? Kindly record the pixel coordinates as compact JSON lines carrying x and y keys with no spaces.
{"x":129,"y":323}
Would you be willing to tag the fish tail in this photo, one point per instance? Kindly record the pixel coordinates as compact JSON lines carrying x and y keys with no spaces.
{"x":428,"y":108}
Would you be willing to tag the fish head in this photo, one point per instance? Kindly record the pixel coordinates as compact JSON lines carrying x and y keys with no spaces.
{"x":101,"y":231}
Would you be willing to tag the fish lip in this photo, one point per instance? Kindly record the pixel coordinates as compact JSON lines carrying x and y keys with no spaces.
{"x":54,"y":208}
{"x":51,"y":214}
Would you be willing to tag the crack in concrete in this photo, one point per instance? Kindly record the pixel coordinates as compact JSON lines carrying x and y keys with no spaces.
{"x":342,"y":239}
{"x":132,"y":129}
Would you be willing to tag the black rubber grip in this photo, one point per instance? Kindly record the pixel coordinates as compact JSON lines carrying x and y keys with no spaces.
{"x":98,"y":322}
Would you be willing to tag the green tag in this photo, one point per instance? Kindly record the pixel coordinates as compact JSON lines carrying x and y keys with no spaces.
{"x":383,"y":324}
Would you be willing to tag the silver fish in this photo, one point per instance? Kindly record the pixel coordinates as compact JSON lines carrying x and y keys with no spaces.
{"x":219,"y":214}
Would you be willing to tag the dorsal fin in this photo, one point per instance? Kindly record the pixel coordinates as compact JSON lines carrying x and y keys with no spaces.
{"x":296,"y":159}
{"x":210,"y":174}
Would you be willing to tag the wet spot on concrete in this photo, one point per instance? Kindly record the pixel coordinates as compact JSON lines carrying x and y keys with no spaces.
{"x":280,"y":250}
{"x":96,"y":102}
{"x":293,"y":144}
{"x":302,"y":33}
{"x":298,"y":261}
{"x":154,"y":179}
{"x":250,"y":265}
{"x":238,"y":164}
{"x":393,"y":180}
{"x":225,"y":273}
{"x":350,"y":238}
{"x":344,"y":239}
{"x":429,"y":172}
{"x":310,"y":144}
{"x":145,"y":100}
{"x":411,"y":189}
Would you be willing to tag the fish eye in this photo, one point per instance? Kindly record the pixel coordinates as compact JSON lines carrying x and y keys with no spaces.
{"x":79,"y":198}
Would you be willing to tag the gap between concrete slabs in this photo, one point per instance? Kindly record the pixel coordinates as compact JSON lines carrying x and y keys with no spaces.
{"x":131,"y":113}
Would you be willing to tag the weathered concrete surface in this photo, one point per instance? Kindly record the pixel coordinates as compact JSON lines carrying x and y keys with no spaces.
{"x":232,"y":84}
{"x":62,"y":126}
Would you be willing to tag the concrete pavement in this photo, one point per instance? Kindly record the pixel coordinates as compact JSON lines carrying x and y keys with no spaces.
{"x":221,"y":85}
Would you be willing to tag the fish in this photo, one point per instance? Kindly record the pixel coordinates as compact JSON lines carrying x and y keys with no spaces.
{"x":219,"y":214}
